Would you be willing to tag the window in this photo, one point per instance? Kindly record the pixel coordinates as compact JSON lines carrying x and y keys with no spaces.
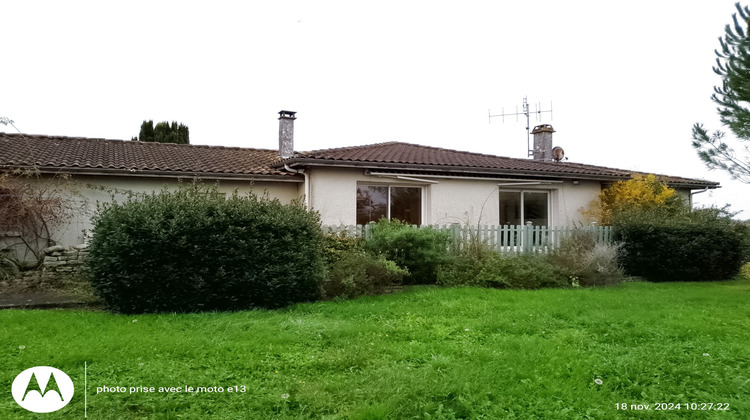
{"x":375,"y":202}
{"x":519,"y":207}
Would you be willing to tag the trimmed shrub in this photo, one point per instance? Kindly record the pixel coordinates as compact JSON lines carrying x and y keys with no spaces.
{"x":704,"y":245}
{"x":195,"y":250}
{"x":681,"y":253}
{"x":586,"y":262}
{"x":419,"y":250}
{"x":355,"y":273}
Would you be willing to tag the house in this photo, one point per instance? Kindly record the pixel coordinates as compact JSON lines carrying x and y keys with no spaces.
{"x":350,"y":185}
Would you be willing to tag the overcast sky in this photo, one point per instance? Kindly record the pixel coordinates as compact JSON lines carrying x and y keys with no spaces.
{"x":625,"y":81}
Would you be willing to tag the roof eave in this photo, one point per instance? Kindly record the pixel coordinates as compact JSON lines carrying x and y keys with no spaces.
{"x":135,"y":173}
{"x":470,"y":170}
{"x":467,"y":170}
{"x":694,"y":186}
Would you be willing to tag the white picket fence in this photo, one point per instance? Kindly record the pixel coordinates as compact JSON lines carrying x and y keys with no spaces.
{"x":502,"y":238}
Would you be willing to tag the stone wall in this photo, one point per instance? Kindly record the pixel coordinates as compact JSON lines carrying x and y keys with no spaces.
{"x":68,"y":261}
{"x":63,"y":268}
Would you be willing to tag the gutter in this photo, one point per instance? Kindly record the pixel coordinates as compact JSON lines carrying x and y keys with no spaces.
{"x":465,"y":172}
{"x":307,"y":188}
{"x":506,"y":181}
{"x":692,"y":193}
{"x":457,"y":170}
{"x":515,"y":184}
{"x":163,"y":174}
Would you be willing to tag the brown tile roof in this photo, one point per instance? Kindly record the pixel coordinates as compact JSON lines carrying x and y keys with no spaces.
{"x":406,"y":156}
{"x":100,"y":156}
{"x":86,"y":155}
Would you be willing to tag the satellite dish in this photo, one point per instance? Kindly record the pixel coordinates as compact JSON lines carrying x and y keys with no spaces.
{"x":558,"y":153}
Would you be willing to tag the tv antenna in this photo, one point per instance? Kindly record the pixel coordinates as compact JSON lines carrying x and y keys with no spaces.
{"x":526,"y":112}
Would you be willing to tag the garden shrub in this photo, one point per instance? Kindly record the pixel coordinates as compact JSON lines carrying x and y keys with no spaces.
{"x":34,"y":207}
{"x":490,"y":269}
{"x":461,"y":269}
{"x":335,"y":245}
{"x":473,"y":262}
{"x":419,"y":250}
{"x":520,"y":272}
{"x":355,"y":273}
{"x":8,"y":268}
{"x":195,"y":250}
{"x":745,"y":271}
{"x":703,"y":245}
{"x":642,"y":193}
{"x":586,"y":262}
{"x":681,"y":253}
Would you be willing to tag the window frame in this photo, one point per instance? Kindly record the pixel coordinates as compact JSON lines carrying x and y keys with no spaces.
{"x":390,"y":201}
{"x":522,"y":215}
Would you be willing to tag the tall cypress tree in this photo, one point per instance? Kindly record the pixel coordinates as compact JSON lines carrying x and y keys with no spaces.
{"x":163,"y":132}
{"x":147,"y":131}
{"x":183,"y":134}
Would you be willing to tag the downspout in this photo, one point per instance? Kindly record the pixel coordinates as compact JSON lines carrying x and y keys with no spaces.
{"x":307,"y":183}
{"x":694,"y":193}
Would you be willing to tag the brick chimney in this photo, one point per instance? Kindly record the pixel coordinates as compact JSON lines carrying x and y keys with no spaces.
{"x":543,"y":142}
{"x":286,"y":134}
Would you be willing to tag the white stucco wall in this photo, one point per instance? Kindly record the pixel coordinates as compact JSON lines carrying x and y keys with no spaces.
{"x":445,"y":200}
{"x":90,"y":189}
{"x":464,"y":202}
{"x":571,"y":199}
{"x":333,"y":194}
{"x":686,"y":195}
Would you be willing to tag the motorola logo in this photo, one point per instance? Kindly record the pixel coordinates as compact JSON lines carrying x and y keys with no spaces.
{"x":42,"y":389}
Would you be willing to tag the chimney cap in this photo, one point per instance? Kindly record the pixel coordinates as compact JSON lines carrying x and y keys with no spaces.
{"x":287,"y":114}
{"x":543,"y":128}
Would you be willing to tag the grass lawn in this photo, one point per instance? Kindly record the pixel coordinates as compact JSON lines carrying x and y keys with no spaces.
{"x":423,"y":353}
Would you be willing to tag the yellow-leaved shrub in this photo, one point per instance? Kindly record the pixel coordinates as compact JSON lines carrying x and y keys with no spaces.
{"x":641,"y":192}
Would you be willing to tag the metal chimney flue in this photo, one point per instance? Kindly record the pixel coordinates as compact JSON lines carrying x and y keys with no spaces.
{"x":543,"y":142}
{"x":286,"y":134}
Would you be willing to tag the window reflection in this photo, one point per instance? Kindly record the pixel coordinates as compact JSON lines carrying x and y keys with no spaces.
{"x":375,"y":202}
{"x":519,"y":207}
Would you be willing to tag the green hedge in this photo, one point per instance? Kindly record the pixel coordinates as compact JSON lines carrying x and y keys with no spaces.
{"x":702,"y":246}
{"x":195,"y":250}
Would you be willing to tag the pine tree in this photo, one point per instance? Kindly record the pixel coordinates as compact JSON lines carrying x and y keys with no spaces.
{"x":163,"y":132}
{"x":732,"y":98}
